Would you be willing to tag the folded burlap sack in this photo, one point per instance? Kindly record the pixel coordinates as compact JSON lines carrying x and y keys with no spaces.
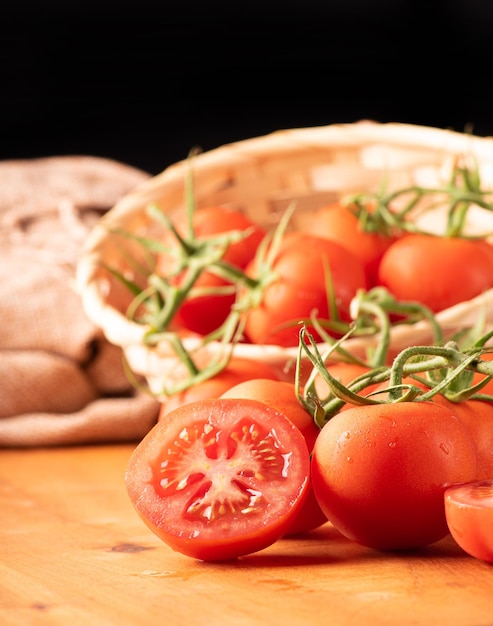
{"x":61,"y":382}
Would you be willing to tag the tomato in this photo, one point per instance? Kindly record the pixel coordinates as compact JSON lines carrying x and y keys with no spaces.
{"x":281,"y":396}
{"x":436,"y":271}
{"x":299,"y":288}
{"x":220,"y":478}
{"x":337,"y":222}
{"x":476,"y":415}
{"x":237,"y":371}
{"x":469,"y":513}
{"x":379,"y":472}
{"x":206,"y":312}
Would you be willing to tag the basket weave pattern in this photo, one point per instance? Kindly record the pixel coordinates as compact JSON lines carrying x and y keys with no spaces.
{"x":261,"y":176}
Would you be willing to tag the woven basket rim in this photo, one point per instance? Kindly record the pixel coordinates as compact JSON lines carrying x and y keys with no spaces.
{"x":336,"y":135}
{"x":122,"y":331}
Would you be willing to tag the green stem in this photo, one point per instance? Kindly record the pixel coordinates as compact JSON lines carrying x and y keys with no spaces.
{"x":361,"y":305}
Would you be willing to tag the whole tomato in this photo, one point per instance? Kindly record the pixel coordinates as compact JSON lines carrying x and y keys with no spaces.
{"x":307,"y":273}
{"x":379,"y":472}
{"x":281,"y":395}
{"x":436,"y":271}
{"x":236,"y":371}
{"x":204,"y":311}
{"x":339,"y":223}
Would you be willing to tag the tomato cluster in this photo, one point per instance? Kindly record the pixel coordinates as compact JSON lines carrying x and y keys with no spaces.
{"x":243,"y":459}
{"x":227,"y":261}
{"x":228,"y":475}
{"x":222,"y":260}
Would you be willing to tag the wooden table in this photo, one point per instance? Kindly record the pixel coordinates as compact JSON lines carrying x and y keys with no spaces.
{"x":74,"y":552}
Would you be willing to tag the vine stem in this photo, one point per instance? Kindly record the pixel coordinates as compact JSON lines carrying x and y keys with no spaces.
{"x":448,"y":358}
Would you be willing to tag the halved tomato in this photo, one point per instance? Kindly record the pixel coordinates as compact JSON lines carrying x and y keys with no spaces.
{"x":220,"y":478}
{"x":282,"y":396}
{"x":469,"y":514}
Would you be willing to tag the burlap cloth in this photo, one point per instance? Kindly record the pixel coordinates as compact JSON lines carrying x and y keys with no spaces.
{"x":61,"y":382}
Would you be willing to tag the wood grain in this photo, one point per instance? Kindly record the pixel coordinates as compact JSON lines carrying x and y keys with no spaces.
{"x":73,"y":551}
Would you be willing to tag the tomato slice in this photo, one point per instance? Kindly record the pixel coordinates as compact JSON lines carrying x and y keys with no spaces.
{"x":281,"y":395}
{"x":220,"y":478}
{"x":469,"y":513}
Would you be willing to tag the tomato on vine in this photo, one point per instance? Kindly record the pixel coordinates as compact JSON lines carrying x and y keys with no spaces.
{"x":220,"y":478}
{"x":209,"y":303}
{"x":379,"y":472}
{"x":307,"y":275}
{"x":339,"y":222}
{"x":474,"y":411}
{"x":437,"y":271}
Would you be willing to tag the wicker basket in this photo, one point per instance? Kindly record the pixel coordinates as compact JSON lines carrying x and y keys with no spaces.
{"x":261,"y":176}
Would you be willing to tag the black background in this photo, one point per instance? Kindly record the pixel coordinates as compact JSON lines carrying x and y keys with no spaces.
{"x":144,"y":82}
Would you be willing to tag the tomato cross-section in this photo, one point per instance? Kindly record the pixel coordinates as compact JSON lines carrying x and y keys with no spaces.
{"x":469,"y":511}
{"x":220,"y":478}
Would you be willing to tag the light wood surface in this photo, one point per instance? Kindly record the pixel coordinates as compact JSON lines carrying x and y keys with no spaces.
{"x":74,"y":552}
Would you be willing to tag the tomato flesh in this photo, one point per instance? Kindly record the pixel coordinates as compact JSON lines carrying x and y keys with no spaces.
{"x":220,"y":478}
{"x":281,"y":396}
{"x":469,"y":513}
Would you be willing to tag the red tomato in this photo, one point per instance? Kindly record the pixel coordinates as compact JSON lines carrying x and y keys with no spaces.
{"x":220,"y":478}
{"x":299,"y":288}
{"x":436,"y":271}
{"x":281,"y":396}
{"x":469,"y":512}
{"x":338,"y":223}
{"x":237,"y":371}
{"x":379,"y":472}
{"x":204,"y":313}
{"x":476,"y":415}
